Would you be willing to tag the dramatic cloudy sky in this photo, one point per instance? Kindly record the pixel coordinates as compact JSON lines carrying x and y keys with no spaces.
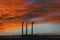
{"x":45,"y":14}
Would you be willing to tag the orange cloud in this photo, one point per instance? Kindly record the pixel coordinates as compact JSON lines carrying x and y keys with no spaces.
{"x":13,"y":12}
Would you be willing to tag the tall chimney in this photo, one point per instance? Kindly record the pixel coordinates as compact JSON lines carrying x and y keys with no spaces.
{"x":22,"y":28}
{"x":32,"y":28}
{"x":26,"y":28}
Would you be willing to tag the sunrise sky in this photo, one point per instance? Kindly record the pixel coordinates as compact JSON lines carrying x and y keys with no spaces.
{"x":44,"y":13}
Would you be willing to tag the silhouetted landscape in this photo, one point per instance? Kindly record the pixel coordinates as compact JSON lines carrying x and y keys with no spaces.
{"x":31,"y":37}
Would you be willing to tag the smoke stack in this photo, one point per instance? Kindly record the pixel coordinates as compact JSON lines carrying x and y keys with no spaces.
{"x":26,"y":28}
{"x":22,"y":28}
{"x":32,"y":28}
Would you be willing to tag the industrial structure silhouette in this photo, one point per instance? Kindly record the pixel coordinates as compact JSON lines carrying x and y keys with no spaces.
{"x":27,"y":28}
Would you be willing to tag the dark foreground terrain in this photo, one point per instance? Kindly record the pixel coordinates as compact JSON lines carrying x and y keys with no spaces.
{"x":31,"y":37}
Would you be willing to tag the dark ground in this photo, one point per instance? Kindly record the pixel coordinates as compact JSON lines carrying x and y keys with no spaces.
{"x":32,"y":37}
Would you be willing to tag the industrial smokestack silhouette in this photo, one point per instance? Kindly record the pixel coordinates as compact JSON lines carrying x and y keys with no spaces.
{"x":26,"y":28}
{"x":22,"y":27}
{"x":32,"y":28}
